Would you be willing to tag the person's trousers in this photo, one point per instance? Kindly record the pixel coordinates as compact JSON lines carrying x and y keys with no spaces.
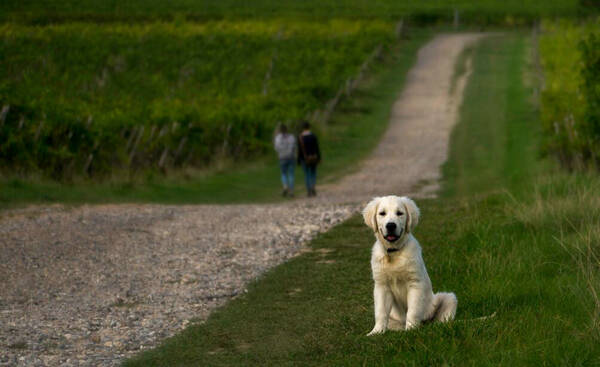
{"x":288,"y":167}
{"x":310,"y":175}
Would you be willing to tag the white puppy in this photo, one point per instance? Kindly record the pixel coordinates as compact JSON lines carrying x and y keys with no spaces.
{"x":403,"y":293}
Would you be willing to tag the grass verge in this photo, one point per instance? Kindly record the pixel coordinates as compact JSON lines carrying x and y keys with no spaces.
{"x":351,"y":135}
{"x":509,"y":235}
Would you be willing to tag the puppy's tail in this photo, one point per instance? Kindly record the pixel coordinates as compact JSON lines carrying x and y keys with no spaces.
{"x":444,"y":306}
{"x":481,"y":318}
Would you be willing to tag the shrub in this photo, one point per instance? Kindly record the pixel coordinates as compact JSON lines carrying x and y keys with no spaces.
{"x":569,"y":101}
{"x":590,"y":51}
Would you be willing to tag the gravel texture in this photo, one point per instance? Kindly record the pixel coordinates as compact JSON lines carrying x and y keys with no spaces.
{"x":92,"y":285}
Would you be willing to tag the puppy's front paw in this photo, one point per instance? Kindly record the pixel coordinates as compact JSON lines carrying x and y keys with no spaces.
{"x":411,"y":325}
{"x":376,"y":330}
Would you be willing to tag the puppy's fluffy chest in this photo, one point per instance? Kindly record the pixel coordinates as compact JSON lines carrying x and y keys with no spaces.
{"x":397,"y":268}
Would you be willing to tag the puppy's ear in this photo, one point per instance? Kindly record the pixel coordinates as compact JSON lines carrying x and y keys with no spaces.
{"x":412,"y":213}
{"x":370,"y":213}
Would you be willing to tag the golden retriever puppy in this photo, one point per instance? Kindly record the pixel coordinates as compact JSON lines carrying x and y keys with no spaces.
{"x":403,"y":295}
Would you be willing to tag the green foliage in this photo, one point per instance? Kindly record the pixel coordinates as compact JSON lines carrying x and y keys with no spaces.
{"x":353,"y":131}
{"x":479,"y":11}
{"x":134,"y":96}
{"x":590,"y":52}
{"x":590,"y":4}
{"x":569,"y":100}
{"x":105,"y":86}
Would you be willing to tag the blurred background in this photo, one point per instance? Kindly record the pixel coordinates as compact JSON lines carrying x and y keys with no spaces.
{"x":116,"y":95}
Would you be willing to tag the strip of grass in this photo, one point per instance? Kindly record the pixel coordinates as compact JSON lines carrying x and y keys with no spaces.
{"x":351,"y":135}
{"x":508,"y":236}
{"x":498,"y":149}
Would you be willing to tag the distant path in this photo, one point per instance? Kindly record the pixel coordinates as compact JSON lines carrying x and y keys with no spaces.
{"x":415,"y":145}
{"x":93,"y":284}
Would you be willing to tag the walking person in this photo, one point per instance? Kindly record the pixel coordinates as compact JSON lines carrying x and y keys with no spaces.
{"x":285,"y":145}
{"x":309,"y":156}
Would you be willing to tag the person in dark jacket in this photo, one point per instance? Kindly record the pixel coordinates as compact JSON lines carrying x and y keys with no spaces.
{"x":309,"y":156}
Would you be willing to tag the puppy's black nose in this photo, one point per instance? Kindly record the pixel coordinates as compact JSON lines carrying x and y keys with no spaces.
{"x":390,"y":227}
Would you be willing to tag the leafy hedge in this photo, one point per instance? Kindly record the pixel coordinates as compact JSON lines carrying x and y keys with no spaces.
{"x":88,"y":98}
{"x":102,"y":11}
{"x":590,"y":50}
{"x":570,"y":101}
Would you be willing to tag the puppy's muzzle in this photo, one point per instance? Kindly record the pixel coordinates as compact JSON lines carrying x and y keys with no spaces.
{"x":391,"y":235}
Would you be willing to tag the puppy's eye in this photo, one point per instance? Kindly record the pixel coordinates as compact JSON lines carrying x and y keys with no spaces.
{"x":382,"y":213}
{"x":399,"y":213}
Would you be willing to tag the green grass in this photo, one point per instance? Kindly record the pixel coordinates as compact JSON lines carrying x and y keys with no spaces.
{"x":353,"y":132}
{"x":509,"y":235}
{"x":497,"y":150}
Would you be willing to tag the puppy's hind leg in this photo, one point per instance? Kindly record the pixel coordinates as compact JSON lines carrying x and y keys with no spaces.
{"x":444,"y":306}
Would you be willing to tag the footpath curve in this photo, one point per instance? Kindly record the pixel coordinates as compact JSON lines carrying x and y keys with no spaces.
{"x":407,"y":160}
{"x":94,"y":284}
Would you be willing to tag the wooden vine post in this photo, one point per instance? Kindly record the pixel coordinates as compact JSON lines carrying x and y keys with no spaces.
{"x":4,"y":114}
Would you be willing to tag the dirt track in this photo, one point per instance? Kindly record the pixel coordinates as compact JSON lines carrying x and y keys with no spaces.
{"x":91,"y":285}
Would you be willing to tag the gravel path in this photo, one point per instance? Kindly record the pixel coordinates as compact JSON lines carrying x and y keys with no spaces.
{"x":94,"y":284}
{"x":408,"y":158}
